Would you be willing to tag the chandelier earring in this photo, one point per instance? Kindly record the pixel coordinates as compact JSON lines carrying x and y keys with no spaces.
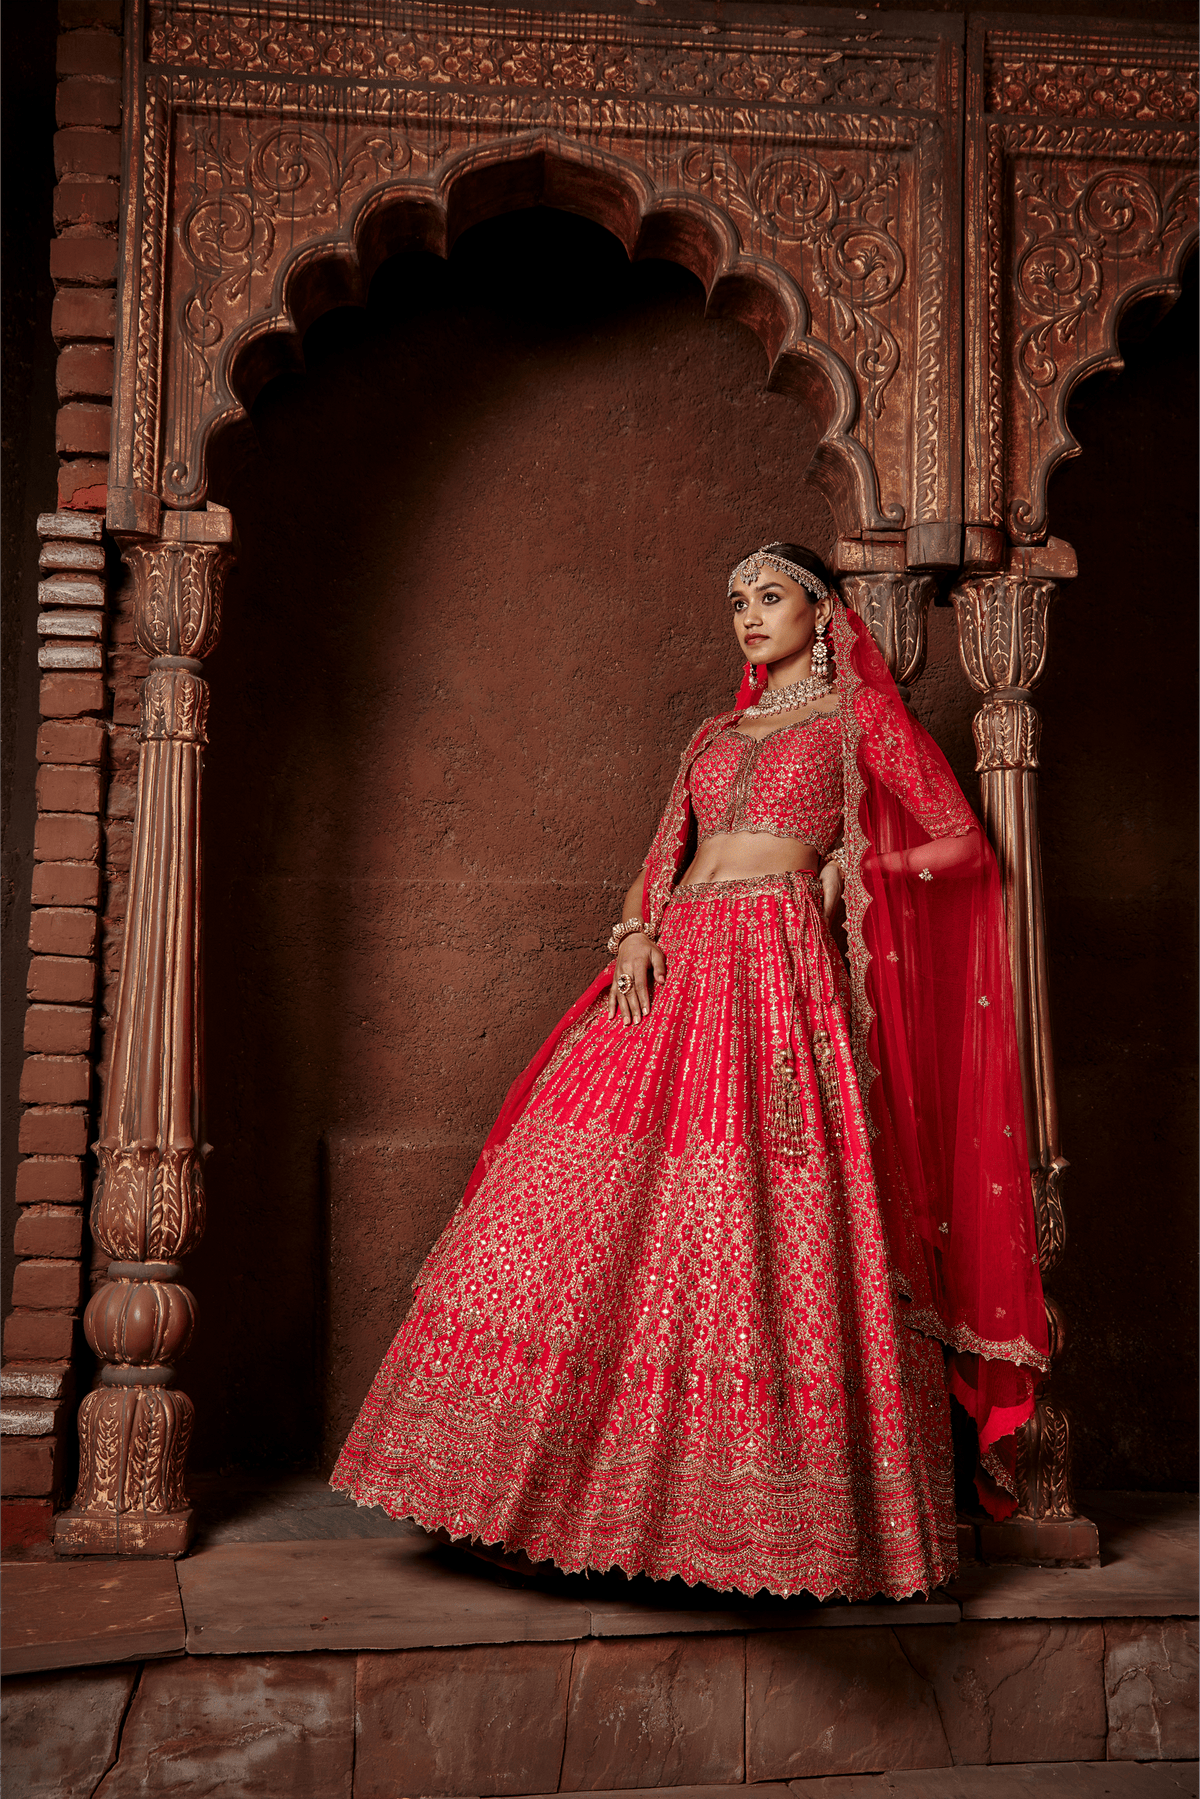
{"x":755,"y":676}
{"x":820,"y":652}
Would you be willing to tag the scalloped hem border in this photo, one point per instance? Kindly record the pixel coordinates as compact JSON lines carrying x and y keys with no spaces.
{"x":823,"y":1587}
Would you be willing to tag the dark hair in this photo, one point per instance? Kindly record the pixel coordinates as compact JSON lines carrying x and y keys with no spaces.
{"x":796,"y":552}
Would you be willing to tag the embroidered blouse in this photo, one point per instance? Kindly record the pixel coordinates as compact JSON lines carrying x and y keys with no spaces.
{"x":788,"y":784}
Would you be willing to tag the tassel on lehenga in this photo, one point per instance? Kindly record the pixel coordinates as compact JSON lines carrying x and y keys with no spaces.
{"x":825,"y":1062}
{"x":785,"y":1109}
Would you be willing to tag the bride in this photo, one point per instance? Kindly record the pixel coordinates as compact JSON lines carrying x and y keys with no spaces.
{"x":753,"y":1213}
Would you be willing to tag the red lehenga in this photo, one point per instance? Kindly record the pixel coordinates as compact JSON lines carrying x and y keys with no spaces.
{"x":689,"y":1317}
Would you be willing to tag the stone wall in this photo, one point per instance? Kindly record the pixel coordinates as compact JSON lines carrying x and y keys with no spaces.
{"x":655,"y":1712}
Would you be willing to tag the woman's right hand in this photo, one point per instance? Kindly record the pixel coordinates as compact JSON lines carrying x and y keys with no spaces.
{"x":639,"y":960}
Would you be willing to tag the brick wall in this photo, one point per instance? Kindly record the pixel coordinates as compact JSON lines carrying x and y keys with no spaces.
{"x":86,"y":762}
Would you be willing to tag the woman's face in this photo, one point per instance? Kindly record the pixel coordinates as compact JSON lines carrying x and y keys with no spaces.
{"x":775,"y":619}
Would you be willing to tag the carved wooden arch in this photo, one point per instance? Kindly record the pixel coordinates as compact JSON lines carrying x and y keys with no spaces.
{"x":548,"y":169}
{"x":810,"y":182}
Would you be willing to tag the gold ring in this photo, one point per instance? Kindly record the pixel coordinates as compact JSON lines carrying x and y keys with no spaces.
{"x":624,"y":983}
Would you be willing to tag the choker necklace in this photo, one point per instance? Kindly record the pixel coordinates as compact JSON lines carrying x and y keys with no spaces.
{"x":786,"y":699}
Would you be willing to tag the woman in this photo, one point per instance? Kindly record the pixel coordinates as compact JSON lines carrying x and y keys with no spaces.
{"x":746,"y":1211}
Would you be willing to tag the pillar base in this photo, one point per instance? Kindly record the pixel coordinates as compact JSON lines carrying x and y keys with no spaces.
{"x":124,"y":1533}
{"x":1041,"y":1542}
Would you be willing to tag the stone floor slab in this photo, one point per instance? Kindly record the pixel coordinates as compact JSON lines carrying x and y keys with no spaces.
{"x":637,"y":1618}
{"x":485,"y":1721}
{"x":1020,"y":1691}
{"x":1149,"y":1567}
{"x":81,"y":1613}
{"x":1150,"y":1681}
{"x":837,"y":1702}
{"x":254,"y":1727}
{"x":405,"y":1593}
{"x":1031,"y":1780}
{"x":653,"y":1711}
{"x":59,"y":1731}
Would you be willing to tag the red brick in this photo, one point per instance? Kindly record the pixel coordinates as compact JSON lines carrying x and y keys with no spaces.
{"x":85,"y":258}
{"x":122,"y":799}
{"x":89,"y":53}
{"x":84,"y":101}
{"x":49,"y":1231}
{"x":53,"y":1131}
{"x":68,"y":789}
{"x":84,"y":155}
{"x":83,"y":484}
{"x":47,"y":1285}
{"x":84,"y":369}
{"x":78,"y":201}
{"x":67,"y":696}
{"x":25,"y":1524}
{"x":62,"y":931}
{"x":75,"y":13}
{"x":83,"y":428}
{"x":78,"y":740}
{"x":66,"y":884}
{"x":58,"y":1031}
{"x":62,"y":980}
{"x":83,"y":312}
{"x":66,"y":837}
{"x":37,"y":1337}
{"x":56,"y":1080}
{"x":31,"y":1465}
{"x":56,"y":1181}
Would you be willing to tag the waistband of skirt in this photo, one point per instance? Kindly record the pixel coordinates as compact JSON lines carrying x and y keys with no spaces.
{"x":752,"y":888}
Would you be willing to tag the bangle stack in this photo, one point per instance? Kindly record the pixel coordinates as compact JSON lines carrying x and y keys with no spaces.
{"x":628,"y":927}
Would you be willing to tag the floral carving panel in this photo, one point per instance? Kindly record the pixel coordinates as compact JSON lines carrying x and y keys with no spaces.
{"x":809,"y":179}
{"x":1082,"y":198}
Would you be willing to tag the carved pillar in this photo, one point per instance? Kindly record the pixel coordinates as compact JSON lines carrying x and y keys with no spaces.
{"x":1002,"y":623}
{"x":148,"y":1204}
{"x":896,"y":608}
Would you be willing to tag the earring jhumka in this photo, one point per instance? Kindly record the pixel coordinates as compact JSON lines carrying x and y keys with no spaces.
{"x":820,"y":654}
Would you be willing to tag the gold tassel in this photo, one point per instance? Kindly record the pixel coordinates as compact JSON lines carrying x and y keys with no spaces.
{"x":785,"y":1110}
{"x":825,"y":1062}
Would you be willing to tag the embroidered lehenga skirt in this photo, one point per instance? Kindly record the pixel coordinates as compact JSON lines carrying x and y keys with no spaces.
{"x":663,"y":1335}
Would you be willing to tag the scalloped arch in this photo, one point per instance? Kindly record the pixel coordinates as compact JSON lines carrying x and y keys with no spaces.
{"x":408,"y":213}
{"x":1030,"y":522}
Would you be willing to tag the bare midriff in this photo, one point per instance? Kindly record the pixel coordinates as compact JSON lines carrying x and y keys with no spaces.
{"x":743,"y":855}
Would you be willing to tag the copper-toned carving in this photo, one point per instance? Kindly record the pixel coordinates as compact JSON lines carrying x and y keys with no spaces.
{"x":1082,"y":197}
{"x":896,"y":607}
{"x":810,"y":184}
{"x":148,"y":1201}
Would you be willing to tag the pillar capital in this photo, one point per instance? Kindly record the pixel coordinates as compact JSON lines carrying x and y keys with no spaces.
{"x":895,"y":608}
{"x":177,"y":595}
{"x":1002,"y":630}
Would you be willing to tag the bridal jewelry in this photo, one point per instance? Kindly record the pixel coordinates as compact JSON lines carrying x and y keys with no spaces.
{"x":786,"y":699}
{"x":820,"y":654}
{"x":628,"y":928}
{"x":753,"y":567}
{"x":624,"y":983}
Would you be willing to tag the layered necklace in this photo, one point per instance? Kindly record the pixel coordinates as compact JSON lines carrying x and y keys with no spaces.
{"x":786,"y":699}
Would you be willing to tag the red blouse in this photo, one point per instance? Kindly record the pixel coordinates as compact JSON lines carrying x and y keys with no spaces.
{"x":788,"y":784}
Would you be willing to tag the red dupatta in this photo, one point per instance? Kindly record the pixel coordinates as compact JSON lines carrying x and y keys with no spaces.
{"x":934,"y":1042}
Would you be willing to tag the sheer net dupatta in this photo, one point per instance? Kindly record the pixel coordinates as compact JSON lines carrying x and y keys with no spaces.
{"x":936,"y":1052}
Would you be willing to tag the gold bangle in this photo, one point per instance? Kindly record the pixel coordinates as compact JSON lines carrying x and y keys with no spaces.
{"x":629,"y":927}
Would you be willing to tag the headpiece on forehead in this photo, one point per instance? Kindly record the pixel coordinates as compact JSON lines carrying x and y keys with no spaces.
{"x":752,"y":567}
